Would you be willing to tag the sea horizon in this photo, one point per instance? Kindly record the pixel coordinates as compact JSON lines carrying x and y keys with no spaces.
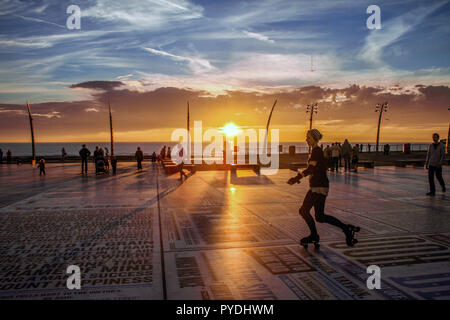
{"x":127,"y":148}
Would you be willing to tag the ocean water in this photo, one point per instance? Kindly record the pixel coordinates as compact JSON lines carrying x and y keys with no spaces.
{"x":129,"y":148}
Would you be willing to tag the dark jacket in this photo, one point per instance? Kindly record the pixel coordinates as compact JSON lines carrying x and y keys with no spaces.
{"x":139,"y":155}
{"x":84,"y":153}
{"x":435,"y":154}
{"x":318,"y":172}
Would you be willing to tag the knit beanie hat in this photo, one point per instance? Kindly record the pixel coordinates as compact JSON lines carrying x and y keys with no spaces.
{"x":315,"y":134}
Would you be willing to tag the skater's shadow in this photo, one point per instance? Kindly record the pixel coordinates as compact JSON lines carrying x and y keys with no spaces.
{"x":186,"y":177}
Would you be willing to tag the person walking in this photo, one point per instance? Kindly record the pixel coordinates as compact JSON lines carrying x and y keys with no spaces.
{"x":340,"y":154}
{"x":434,"y":161}
{"x":41,"y":166}
{"x":163,"y":153}
{"x":8,"y":156}
{"x":63,"y":154}
{"x":335,"y":157}
{"x":181,"y":165}
{"x":169,"y":153}
{"x":346,"y":154}
{"x":327,"y":155}
{"x":139,"y":155}
{"x":107,"y":158}
{"x":317,"y":194}
{"x":84,"y":154}
{"x":1,"y":156}
{"x":355,"y":157}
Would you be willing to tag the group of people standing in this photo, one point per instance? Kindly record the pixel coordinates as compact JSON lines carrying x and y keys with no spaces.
{"x":102,"y":156}
{"x":165,"y":153}
{"x":8,"y":156}
{"x":335,"y":153}
{"x":102,"y":160}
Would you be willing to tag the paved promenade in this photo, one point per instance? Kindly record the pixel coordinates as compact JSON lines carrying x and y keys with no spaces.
{"x":148,"y":236}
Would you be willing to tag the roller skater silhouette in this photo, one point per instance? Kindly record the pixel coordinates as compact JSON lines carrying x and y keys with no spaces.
{"x":316,"y":196}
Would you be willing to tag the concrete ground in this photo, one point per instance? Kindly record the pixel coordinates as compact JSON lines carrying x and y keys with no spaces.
{"x":145,"y":235}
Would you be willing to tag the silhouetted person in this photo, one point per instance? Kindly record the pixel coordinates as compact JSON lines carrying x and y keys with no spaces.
{"x":328,"y":157}
{"x":340,"y":153}
{"x":8,"y":156}
{"x":435,"y":159}
{"x":1,"y":156}
{"x":335,"y":150}
{"x":355,"y":157}
{"x":368,"y":147}
{"x":63,"y":154}
{"x":98,"y":155}
{"x":114,"y":164}
{"x":107,"y":158}
{"x":84,"y":154}
{"x":139,"y":155}
{"x":386,"y":149}
{"x":163,"y":153}
{"x":346,"y":154}
{"x":317,"y":194}
{"x":169,"y":153}
{"x":41,"y":166}
{"x":181,"y":165}
{"x":154,"y":157}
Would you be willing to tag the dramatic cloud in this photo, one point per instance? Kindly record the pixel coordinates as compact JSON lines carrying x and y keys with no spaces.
{"x":152,"y":115}
{"x":102,"y":85}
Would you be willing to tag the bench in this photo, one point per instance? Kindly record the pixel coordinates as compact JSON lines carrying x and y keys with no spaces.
{"x":255,"y":167}
{"x":171,"y":167}
{"x":366,"y":164}
{"x":413,"y":162}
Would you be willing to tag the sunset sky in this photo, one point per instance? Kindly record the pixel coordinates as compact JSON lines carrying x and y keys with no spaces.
{"x":231,"y":60}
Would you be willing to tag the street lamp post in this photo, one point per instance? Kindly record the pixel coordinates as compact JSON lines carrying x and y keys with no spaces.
{"x":33,"y":162}
{"x":111,"y":130}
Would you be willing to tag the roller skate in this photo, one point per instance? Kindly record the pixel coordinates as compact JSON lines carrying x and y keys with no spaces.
{"x":310,"y":239}
{"x":350,"y":235}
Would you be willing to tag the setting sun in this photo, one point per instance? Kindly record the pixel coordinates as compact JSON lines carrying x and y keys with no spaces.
{"x":230,"y":129}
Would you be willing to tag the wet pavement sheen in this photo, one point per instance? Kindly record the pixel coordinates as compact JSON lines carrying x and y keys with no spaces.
{"x":145,"y":235}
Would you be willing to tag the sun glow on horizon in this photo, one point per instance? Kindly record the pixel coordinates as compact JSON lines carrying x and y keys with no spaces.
{"x":231,"y":130}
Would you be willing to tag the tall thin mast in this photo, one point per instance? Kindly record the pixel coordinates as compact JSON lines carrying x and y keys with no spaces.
{"x":32,"y":134}
{"x":111,"y":129}
{"x":270,"y":115}
{"x":189,"y":135}
{"x":267,"y":125}
{"x":380,"y":108}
